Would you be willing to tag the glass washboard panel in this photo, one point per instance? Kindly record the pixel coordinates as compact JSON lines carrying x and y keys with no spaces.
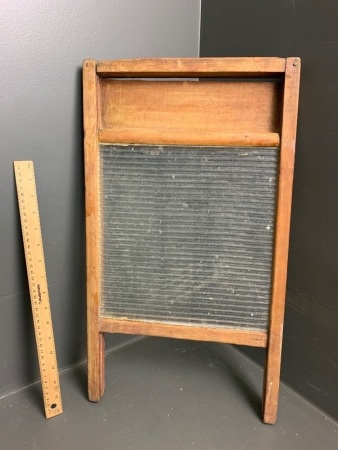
{"x":188,"y":234}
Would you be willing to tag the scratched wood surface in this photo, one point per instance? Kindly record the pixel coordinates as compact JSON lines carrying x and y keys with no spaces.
{"x":286,"y":170}
{"x":187,"y":112}
{"x":196,"y":333}
{"x":125,"y":113}
{"x":190,"y":67}
{"x":95,"y":341}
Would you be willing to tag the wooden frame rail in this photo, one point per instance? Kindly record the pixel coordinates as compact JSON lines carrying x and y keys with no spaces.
{"x":128,"y":101}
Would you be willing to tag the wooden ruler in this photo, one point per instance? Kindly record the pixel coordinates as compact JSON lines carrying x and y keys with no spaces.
{"x":38,"y":288}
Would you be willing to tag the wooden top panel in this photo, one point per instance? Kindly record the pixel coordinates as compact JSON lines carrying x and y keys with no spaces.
{"x":187,"y":111}
{"x":192,"y":67}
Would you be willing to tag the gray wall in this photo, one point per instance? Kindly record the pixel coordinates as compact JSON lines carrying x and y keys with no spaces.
{"x":42,"y":48}
{"x":307,"y":29}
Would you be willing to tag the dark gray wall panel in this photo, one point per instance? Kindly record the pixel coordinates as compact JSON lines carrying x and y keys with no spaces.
{"x":309,"y":30}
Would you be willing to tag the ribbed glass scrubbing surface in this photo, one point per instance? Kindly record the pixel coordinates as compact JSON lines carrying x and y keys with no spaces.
{"x":188,"y":234}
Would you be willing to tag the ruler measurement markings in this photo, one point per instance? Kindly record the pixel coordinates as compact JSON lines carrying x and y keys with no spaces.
{"x":32,"y":237}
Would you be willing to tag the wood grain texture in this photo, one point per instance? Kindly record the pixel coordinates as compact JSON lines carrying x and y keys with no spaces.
{"x":288,"y":140}
{"x":38,"y":286}
{"x":192,"y":67}
{"x":191,"y":113}
{"x":94,"y":340}
{"x":199,"y":333}
{"x":195,"y":113}
{"x":110,"y":136}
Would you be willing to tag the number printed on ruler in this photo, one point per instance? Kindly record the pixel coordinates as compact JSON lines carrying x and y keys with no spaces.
{"x":38,"y":287}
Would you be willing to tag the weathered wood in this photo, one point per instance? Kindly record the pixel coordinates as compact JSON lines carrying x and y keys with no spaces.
{"x":288,"y":139}
{"x":94,"y":340}
{"x":190,"y":113}
{"x":108,"y":136}
{"x":192,"y":67}
{"x":176,"y":112}
{"x":198,"y":333}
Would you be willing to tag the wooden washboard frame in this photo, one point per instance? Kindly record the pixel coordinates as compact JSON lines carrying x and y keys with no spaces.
{"x":272,"y":122}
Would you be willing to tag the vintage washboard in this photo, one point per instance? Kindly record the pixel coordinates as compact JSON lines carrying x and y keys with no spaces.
{"x":188,"y":172}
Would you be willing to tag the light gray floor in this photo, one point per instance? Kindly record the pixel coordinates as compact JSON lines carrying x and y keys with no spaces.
{"x":166,"y":394}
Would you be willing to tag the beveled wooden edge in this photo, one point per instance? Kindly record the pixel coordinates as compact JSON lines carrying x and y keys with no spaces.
{"x":109,"y":136}
{"x":193,"y":332}
{"x":279,"y":275}
{"x":192,"y":67}
{"x":95,"y":341}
